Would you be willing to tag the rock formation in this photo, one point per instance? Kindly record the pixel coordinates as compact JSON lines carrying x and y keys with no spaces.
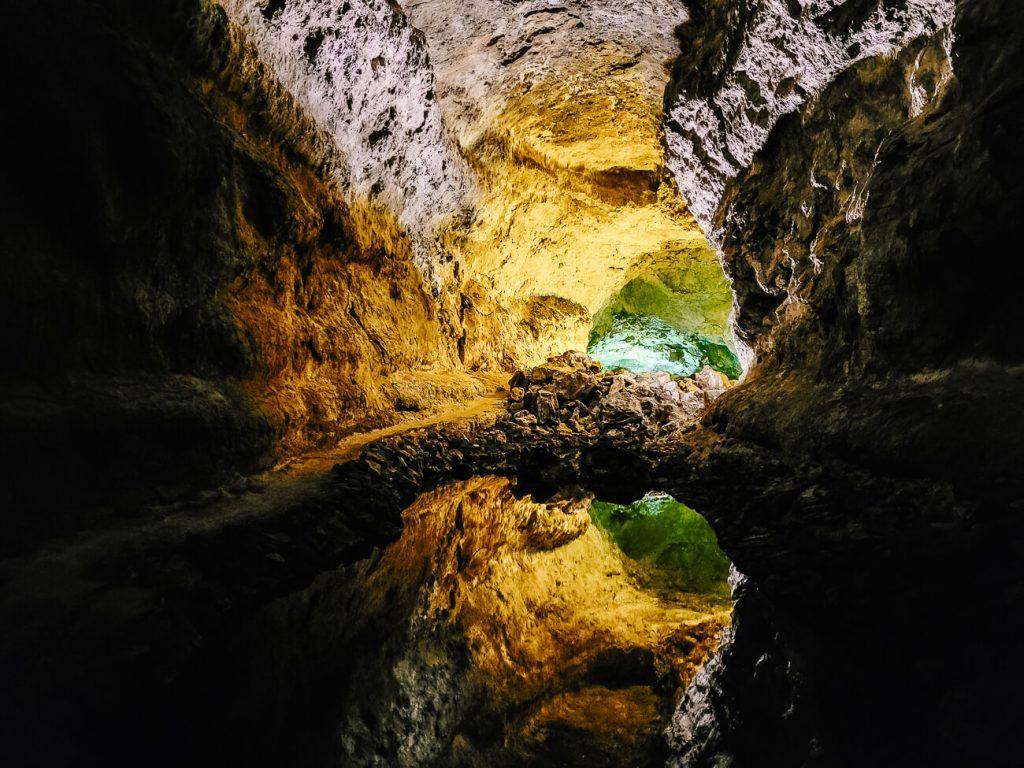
{"x":878,"y":426}
{"x":236,"y":233}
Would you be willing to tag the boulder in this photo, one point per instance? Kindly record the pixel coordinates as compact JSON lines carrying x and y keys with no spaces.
{"x":546,"y":406}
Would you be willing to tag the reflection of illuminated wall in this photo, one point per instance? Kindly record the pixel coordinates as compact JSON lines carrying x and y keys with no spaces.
{"x":559,"y":632}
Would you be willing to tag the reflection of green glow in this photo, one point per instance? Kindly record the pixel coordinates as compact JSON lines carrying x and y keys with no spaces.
{"x":643,"y":344}
{"x":671,"y":540}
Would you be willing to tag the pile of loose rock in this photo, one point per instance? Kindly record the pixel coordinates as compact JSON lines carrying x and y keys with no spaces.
{"x":573,"y":393}
{"x":567,"y":423}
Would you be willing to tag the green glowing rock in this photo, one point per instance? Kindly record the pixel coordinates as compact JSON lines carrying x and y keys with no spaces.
{"x":672,"y":315}
{"x":681,"y":284}
{"x":673,"y":542}
{"x":720,"y":356}
{"x":645,"y":344}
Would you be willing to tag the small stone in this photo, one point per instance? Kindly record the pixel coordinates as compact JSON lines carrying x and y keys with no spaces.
{"x":710,"y":380}
{"x":546,"y":406}
{"x":525,"y":418}
{"x":574,"y":385}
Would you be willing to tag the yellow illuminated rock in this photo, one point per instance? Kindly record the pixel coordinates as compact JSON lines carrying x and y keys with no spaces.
{"x":560,"y":637}
{"x":558,"y":109}
{"x":579,"y":211}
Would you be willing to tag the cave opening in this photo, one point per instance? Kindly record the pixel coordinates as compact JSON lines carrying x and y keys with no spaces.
{"x":578,"y":236}
{"x":672,"y":316}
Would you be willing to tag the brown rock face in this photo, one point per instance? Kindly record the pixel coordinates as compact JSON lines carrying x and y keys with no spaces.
{"x":199,"y":297}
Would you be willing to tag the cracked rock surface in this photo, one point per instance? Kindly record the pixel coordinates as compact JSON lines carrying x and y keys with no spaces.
{"x":847,"y":198}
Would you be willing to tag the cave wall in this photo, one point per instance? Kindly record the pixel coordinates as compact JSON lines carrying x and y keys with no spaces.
{"x":276,"y":223}
{"x":519,"y":146}
{"x":747,"y":64}
{"x":189,"y":290}
{"x":361,"y":73}
{"x":557,"y":107}
{"x":862,"y":205}
{"x":849,"y":269}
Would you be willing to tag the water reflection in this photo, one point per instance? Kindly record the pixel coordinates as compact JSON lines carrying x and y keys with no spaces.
{"x":498,"y":631}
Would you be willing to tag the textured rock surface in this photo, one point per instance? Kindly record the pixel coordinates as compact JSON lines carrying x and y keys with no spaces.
{"x":557,"y":106}
{"x":360,"y":72}
{"x":496,"y":631}
{"x":746,"y":64}
{"x":753,"y":662}
{"x":202,"y":298}
{"x":251,"y":264}
{"x":878,"y":436}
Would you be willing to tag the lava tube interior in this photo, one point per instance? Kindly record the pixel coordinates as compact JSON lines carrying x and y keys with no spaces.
{"x":477,"y":383}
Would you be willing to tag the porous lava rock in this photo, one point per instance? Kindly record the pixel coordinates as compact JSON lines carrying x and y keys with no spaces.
{"x":207,"y":296}
{"x":876,"y":440}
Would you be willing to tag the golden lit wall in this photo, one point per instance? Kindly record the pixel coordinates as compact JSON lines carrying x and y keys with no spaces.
{"x":559,"y":112}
